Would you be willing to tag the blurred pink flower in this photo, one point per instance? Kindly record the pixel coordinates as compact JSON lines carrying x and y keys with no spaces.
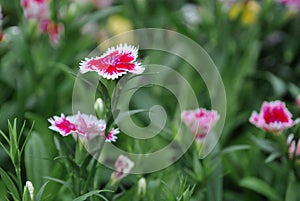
{"x":293,"y":149}
{"x":111,"y":136}
{"x":293,"y":4}
{"x":114,"y":63}
{"x":1,"y":17}
{"x":298,"y":101}
{"x":273,"y":117}
{"x":123,"y":166}
{"x":102,"y":3}
{"x":36,"y":9}
{"x":200,"y":121}
{"x":53,"y":29}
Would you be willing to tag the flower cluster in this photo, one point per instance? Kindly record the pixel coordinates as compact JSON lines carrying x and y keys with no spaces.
{"x":39,"y":10}
{"x":200,"y":122}
{"x":115,"y":62}
{"x":273,"y":117}
{"x":82,"y":124}
{"x":123,"y":166}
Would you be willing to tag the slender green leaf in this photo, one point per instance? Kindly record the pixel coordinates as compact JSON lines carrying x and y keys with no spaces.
{"x":91,"y":193}
{"x":39,"y":195}
{"x":26,"y":139}
{"x":66,"y":184}
{"x":4,"y":136}
{"x":10,"y":185}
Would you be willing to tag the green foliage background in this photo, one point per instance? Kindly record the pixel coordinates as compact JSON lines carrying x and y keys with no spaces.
{"x":257,"y":62}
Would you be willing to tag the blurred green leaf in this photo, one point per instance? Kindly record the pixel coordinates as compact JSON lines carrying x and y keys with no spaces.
{"x":277,"y":83}
{"x":36,"y":160}
{"x":235,"y":148}
{"x":261,"y":187}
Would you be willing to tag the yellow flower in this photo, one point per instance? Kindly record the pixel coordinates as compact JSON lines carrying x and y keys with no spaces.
{"x":247,"y":11}
{"x":117,"y":24}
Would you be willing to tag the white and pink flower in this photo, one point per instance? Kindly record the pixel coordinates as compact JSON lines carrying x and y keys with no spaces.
{"x":83,"y":124}
{"x":200,"y":121}
{"x":115,"y":62}
{"x":273,"y":117}
{"x":294,"y":150}
{"x":111,"y":136}
{"x":123,"y":166}
{"x":62,"y":125}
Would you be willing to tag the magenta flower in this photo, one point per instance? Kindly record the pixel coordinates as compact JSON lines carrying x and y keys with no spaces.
{"x":293,"y":4}
{"x":273,"y":117}
{"x":123,"y":166}
{"x":114,"y":63}
{"x":200,"y":122}
{"x":62,"y":124}
{"x":111,"y":136}
{"x":36,"y":9}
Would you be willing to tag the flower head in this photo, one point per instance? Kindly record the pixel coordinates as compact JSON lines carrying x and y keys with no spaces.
{"x":111,"y":136}
{"x":88,"y":125}
{"x":123,"y":166}
{"x":248,"y":11}
{"x":200,"y":121}
{"x":62,"y":125}
{"x":36,"y":9}
{"x":114,"y":63}
{"x":82,"y":124}
{"x":273,"y":117}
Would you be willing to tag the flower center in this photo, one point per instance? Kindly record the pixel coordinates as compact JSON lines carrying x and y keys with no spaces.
{"x":276,"y":114}
{"x":65,"y":125}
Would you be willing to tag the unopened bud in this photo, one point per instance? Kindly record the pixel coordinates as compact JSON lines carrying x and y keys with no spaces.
{"x":99,"y":107}
{"x":28,"y":190}
{"x":142,"y":186}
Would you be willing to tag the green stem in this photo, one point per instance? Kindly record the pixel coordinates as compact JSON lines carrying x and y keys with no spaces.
{"x":93,"y":167}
